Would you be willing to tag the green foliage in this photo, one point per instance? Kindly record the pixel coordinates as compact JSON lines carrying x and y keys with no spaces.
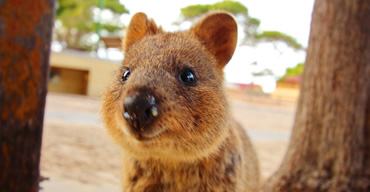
{"x":250,"y":24}
{"x":115,"y":6}
{"x":233,"y":7}
{"x":254,"y":21}
{"x":194,"y":11}
{"x":236,"y":8}
{"x":278,"y":36}
{"x":292,"y":72}
{"x":110,"y":28}
{"x":78,"y":13}
{"x":77,"y":16}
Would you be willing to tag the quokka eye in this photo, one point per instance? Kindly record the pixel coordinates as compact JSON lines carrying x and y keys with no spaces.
{"x":188,"y":77}
{"x":125,"y":75}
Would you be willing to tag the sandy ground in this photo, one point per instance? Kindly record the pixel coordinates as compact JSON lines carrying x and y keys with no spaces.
{"x":79,"y":156}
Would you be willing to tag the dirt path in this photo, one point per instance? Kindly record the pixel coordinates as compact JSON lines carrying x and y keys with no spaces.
{"x":78,"y":155}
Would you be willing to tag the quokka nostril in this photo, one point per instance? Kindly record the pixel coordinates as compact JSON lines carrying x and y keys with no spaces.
{"x":147,"y":114}
{"x":151,"y":112}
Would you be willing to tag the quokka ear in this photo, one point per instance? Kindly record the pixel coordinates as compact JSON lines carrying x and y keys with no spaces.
{"x":139,"y":27}
{"x":218,"y":31}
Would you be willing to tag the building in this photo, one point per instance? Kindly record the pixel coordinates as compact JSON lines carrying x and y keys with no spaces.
{"x":288,"y":88}
{"x":77,"y":72}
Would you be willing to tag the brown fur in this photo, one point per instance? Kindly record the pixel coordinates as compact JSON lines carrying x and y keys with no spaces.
{"x":194,"y":144}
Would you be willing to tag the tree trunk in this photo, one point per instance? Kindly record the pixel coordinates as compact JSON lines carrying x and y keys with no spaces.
{"x":25,"y":34}
{"x":330,"y":144}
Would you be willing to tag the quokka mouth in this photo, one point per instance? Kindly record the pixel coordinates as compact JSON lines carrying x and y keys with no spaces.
{"x":144,"y":136}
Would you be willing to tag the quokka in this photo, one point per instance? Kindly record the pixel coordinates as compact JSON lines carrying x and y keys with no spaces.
{"x":166,"y":107}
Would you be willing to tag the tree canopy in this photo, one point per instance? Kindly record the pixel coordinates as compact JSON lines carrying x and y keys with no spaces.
{"x":272,"y":36}
{"x":234,"y":7}
{"x":78,"y":15}
{"x":293,"y":71}
{"x":249,"y":24}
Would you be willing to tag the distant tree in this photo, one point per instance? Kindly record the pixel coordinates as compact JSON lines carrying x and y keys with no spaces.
{"x":293,"y":71}
{"x":273,"y":36}
{"x":249,"y":24}
{"x":77,"y":18}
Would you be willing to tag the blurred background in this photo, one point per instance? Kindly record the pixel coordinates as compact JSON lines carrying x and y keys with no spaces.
{"x":262,"y":79}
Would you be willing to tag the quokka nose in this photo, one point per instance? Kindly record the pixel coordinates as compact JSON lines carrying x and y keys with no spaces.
{"x":139,"y":111}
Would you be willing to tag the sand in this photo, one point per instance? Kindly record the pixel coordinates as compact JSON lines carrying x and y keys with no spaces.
{"x":78,"y":155}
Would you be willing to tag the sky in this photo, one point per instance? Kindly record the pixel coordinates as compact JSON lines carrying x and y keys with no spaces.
{"x":288,"y":16}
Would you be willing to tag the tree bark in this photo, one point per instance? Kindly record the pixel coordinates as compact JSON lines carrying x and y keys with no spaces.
{"x":330,"y":144}
{"x":25,"y":35}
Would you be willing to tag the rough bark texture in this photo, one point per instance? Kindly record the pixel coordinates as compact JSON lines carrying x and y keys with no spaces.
{"x":330,"y":144}
{"x":25,"y":34}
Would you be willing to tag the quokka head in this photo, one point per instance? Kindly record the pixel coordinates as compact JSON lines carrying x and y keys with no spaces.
{"x":167,"y":99}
